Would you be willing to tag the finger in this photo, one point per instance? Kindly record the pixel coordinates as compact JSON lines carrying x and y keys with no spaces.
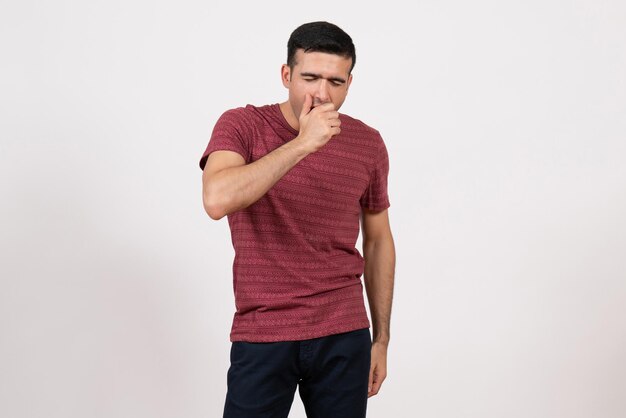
{"x":306,"y":106}
{"x":376,"y":383}
{"x":334,"y":122}
{"x":325,"y":107}
{"x":371,"y":380}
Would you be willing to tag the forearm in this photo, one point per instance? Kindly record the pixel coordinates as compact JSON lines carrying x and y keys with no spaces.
{"x":236,"y":188}
{"x":380,"y":260}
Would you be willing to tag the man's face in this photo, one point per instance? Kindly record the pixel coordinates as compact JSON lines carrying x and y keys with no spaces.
{"x":324,"y":76}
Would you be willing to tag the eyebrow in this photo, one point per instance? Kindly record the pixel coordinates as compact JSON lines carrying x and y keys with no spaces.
{"x":341,"y":80}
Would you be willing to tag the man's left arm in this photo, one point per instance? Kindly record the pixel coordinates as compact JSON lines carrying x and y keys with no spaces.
{"x":380,"y":258}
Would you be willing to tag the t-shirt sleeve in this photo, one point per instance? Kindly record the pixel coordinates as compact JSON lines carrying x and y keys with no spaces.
{"x":375,"y":196}
{"x":232,"y":132}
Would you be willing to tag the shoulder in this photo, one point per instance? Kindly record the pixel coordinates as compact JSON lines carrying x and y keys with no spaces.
{"x":247,"y":115}
{"x":242,"y":122}
{"x":365,"y":132}
{"x":235,"y":114}
{"x":358,"y":125}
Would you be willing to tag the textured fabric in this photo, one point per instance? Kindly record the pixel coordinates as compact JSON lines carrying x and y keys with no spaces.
{"x":296,"y":271}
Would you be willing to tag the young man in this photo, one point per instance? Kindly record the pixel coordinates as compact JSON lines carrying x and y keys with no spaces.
{"x":294,"y":180}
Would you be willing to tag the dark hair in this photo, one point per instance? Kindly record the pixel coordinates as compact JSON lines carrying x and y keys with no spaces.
{"x":320,"y":37}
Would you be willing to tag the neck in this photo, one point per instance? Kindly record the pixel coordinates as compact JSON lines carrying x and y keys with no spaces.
{"x":287,"y":111}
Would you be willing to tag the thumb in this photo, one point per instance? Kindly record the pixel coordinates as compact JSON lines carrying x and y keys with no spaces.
{"x":306,"y":106}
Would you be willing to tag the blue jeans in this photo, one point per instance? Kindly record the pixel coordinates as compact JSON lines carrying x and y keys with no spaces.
{"x":331,"y":373}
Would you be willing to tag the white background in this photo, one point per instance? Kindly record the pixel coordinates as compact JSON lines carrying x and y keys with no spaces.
{"x":506,"y":130}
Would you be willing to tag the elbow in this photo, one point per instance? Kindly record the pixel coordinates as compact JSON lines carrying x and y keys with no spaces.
{"x":212,"y":206}
{"x":382,"y":242}
{"x":214,"y":212}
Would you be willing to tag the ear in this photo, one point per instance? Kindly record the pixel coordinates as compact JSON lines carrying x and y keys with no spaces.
{"x":349,"y":82}
{"x":285,"y":75}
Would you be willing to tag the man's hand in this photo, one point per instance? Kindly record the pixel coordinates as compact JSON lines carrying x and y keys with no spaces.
{"x":319,"y":124}
{"x":378,"y":368}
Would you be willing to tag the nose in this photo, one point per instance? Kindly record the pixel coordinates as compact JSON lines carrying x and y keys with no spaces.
{"x":321,"y":95}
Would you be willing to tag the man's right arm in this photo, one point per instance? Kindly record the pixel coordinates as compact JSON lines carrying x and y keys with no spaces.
{"x":228,"y":184}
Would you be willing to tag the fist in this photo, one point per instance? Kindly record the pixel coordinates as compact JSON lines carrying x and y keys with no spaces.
{"x":318,"y":124}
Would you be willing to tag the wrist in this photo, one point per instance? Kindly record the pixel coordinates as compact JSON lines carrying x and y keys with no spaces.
{"x":381,"y":341}
{"x":300,"y":145}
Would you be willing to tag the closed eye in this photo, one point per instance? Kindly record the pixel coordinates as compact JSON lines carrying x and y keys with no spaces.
{"x":336,"y":81}
{"x":333,"y":82}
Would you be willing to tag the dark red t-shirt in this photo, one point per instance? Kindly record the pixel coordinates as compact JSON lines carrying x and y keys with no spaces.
{"x":296,"y":272}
